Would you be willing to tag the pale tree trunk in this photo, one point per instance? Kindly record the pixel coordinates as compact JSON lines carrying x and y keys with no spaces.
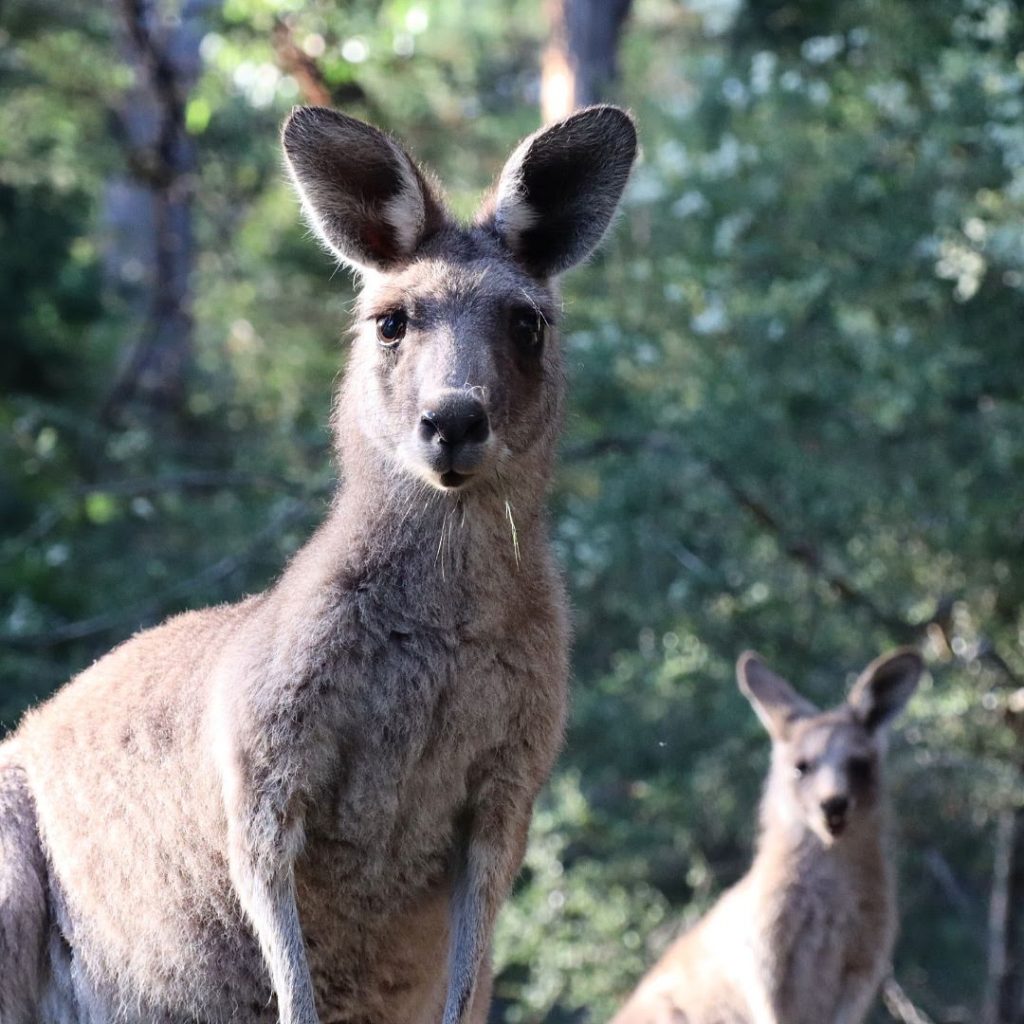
{"x":1004,"y":998}
{"x":579,"y":61}
{"x":151,"y":250}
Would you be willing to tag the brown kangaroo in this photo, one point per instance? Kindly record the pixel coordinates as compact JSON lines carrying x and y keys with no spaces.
{"x":310,"y":805}
{"x":806,"y":935}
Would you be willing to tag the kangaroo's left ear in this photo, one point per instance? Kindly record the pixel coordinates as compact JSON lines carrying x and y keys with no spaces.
{"x":882,"y":690}
{"x":559,"y":190}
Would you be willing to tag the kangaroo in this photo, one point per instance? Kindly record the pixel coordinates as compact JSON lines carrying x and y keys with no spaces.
{"x":806,"y":935}
{"x":309,"y":806}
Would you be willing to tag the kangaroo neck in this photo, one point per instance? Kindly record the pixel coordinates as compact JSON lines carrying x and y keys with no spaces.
{"x":445,"y":549}
{"x":789,"y":849}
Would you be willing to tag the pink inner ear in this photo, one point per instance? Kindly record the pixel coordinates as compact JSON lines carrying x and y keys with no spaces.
{"x":378,"y":240}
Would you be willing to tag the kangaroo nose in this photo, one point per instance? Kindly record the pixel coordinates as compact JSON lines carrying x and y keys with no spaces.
{"x":455,"y":419}
{"x":835,"y":806}
{"x":834,"y":809}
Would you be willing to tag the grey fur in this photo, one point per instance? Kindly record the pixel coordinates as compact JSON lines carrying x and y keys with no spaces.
{"x":310,"y":805}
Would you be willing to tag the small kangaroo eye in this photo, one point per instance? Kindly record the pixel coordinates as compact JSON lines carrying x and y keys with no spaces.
{"x":859,"y":769}
{"x":801,"y":768}
{"x":527,"y":328}
{"x":391,"y":327}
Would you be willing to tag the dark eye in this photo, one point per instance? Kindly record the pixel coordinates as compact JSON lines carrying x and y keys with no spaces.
{"x":801,"y":768}
{"x":391,"y":327}
{"x":528,"y":329}
{"x":860,"y":770}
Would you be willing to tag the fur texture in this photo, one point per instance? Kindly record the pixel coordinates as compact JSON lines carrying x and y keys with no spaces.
{"x":805,"y":937}
{"x":309,"y":806}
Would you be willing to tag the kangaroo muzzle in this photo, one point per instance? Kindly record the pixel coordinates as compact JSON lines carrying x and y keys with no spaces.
{"x":454,"y":432}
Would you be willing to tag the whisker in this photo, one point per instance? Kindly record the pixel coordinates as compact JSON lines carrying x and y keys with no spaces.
{"x":515,"y":533}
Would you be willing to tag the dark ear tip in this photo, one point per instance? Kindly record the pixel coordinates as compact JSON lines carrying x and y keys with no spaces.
{"x":909,"y":657}
{"x":313,"y":119}
{"x":300,"y":113}
{"x":298,"y":119}
{"x":608,"y":118}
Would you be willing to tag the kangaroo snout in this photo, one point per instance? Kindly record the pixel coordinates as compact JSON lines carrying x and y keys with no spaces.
{"x":835,"y":809}
{"x":453,"y":430}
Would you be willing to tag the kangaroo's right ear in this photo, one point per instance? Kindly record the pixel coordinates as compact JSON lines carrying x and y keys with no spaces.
{"x":361,"y":192}
{"x":777,"y":704}
{"x":884,"y":687}
{"x":559,"y":190}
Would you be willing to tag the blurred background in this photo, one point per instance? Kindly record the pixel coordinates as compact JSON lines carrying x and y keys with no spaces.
{"x":797,"y":420}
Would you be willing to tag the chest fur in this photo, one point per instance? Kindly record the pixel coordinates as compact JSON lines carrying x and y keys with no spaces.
{"x":826,"y":922}
{"x":404,"y":729}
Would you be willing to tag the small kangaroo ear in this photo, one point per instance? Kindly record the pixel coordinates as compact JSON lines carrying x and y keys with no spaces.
{"x":777,"y":704}
{"x":361,"y":192}
{"x":882,"y":690}
{"x":559,"y":190}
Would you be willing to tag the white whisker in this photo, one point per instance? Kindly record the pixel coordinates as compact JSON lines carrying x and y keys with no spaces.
{"x":515,"y":533}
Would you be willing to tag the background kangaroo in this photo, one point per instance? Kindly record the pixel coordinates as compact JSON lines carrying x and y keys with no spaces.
{"x":320,"y":796}
{"x":806,"y":935}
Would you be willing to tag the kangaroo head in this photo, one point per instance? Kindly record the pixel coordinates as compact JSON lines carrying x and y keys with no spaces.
{"x":455,"y":375}
{"x":827,"y":765}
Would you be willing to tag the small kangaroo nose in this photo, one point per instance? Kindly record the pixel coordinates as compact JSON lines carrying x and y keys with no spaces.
{"x":455,"y":419}
{"x":835,"y":806}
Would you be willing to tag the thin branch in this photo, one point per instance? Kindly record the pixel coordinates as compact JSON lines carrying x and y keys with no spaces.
{"x":293,"y":60}
{"x":809,"y":555}
{"x":956,"y":894}
{"x":805,"y":553}
{"x":194,"y":480}
{"x":159,"y":603}
{"x":899,"y":1004}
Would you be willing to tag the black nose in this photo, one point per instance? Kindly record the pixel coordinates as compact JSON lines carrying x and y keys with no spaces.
{"x":835,"y":806}
{"x":456,"y":419}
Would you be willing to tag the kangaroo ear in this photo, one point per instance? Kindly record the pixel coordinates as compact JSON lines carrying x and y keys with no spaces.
{"x":882,"y":690}
{"x":559,"y":190}
{"x":777,"y":704}
{"x":360,"y":190}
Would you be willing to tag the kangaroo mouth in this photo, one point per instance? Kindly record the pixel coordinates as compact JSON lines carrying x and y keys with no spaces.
{"x":452,"y":479}
{"x":835,"y":824}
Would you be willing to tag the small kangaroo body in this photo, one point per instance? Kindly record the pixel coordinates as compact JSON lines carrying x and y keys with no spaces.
{"x":309,"y":806}
{"x":806,"y":935}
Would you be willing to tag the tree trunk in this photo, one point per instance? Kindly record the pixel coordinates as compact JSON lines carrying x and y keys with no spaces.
{"x":579,"y":61}
{"x":151,"y":252}
{"x":1004,"y":998}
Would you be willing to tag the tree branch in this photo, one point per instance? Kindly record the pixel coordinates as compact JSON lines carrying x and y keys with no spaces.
{"x":899,"y":1005}
{"x":159,"y":604}
{"x":808,"y":554}
{"x":293,"y":60}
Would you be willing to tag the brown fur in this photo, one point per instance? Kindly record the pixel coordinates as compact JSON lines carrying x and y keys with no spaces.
{"x":805,"y":936}
{"x":309,"y":806}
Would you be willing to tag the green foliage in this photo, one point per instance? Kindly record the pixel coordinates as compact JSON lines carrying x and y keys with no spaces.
{"x":797,"y":417}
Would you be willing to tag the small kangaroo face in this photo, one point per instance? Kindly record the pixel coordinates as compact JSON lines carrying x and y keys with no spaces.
{"x":459,"y":368}
{"x":826,"y":766}
{"x":832,"y":766}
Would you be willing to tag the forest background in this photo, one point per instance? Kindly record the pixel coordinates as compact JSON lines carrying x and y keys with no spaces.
{"x":797,"y":417}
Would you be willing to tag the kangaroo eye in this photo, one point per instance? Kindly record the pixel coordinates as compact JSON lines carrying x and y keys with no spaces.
{"x":391,"y":327}
{"x":859,"y":769}
{"x":801,"y":768}
{"x":528,"y":328}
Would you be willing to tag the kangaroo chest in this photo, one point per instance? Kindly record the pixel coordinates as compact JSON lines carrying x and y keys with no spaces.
{"x":411,"y":718}
{"x":825,"y":925}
